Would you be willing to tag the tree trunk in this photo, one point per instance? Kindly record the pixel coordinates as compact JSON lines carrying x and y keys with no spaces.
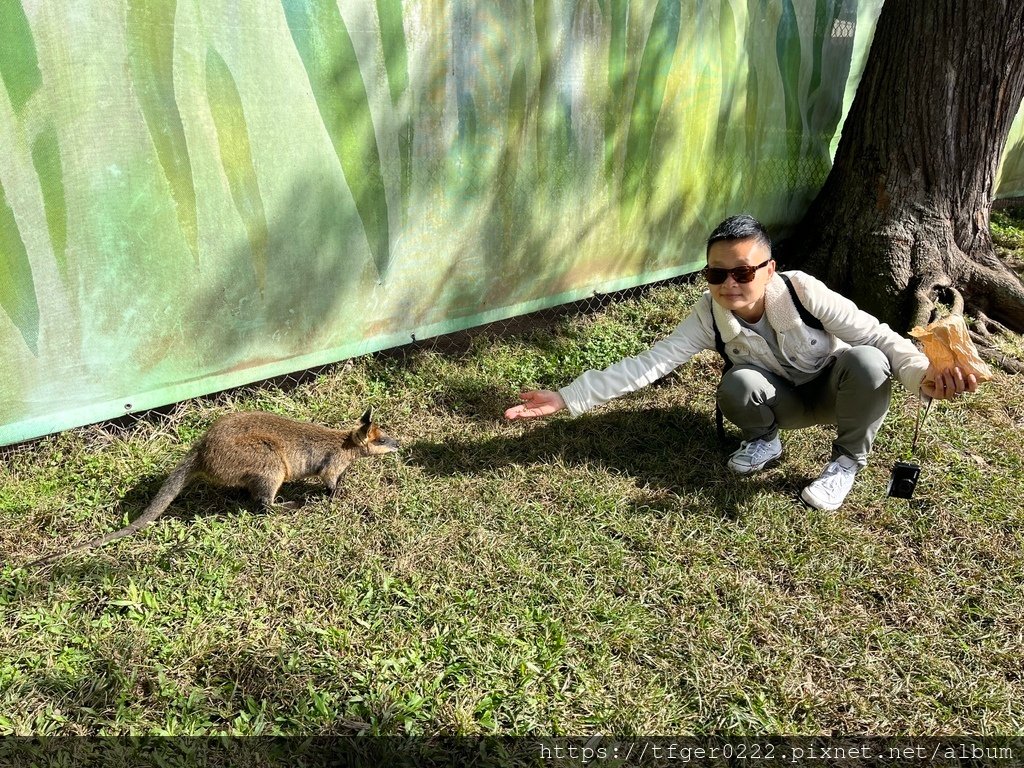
{"x":902,"y":222}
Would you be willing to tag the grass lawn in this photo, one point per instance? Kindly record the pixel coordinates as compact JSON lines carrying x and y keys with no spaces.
{"x":561,"y":577}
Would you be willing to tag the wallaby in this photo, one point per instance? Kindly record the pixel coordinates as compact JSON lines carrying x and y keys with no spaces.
{"x":259,"y":451}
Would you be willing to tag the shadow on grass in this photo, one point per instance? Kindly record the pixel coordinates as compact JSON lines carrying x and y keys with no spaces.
{"x":475,"y":400}
{"x":200,"y":499}
{"x":672,"y":449}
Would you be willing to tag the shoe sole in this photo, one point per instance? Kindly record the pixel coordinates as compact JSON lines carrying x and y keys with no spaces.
{"x":760,"y":467}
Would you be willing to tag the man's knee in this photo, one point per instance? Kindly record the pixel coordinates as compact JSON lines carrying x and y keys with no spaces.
{"x":866,"y":367}
{"x":744,"y":384}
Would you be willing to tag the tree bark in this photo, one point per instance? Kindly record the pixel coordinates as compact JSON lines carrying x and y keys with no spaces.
{"x":902,"y":222}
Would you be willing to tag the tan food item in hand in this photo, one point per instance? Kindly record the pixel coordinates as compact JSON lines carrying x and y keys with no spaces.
{"x":948,"y":344}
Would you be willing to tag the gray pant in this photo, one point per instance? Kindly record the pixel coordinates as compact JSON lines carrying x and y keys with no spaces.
{"x":852,"y":393}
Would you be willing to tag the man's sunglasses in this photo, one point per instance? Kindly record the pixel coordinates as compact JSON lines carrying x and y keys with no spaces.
{"x":717,"y":275}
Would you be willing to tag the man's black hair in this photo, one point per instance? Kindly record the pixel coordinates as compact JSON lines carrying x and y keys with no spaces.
{"x":741,"y":227}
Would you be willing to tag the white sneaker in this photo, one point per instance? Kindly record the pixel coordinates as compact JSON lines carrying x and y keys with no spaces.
{"x":754,"y":455}
{"x":832,"y":485}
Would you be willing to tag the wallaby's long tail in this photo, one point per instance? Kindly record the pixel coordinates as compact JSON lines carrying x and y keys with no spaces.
{"x":175,"y":483}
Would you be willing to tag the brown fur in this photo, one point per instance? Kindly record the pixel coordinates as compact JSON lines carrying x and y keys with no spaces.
{"x":259,"y":451}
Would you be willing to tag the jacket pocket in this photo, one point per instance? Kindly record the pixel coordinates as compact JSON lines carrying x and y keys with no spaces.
{"x":808,"y":349}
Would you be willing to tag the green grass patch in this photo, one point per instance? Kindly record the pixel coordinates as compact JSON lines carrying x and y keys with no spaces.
{"x":563,"y":577}
{"x":1007,"y":228}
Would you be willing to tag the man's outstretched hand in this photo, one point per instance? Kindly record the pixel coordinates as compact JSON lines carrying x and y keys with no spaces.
{"x":536,"y":402}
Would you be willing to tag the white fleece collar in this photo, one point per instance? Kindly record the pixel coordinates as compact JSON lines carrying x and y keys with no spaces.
{"x":778,"y":306}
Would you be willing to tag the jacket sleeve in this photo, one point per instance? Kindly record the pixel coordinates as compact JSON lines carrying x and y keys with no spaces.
{"x":595,"y":388}
{"x":842,"y":318}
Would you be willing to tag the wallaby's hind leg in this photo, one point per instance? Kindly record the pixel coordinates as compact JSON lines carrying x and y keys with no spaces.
{"x":337,"y":489}
{"x":264,"y":489}
{"x":331,"y":483}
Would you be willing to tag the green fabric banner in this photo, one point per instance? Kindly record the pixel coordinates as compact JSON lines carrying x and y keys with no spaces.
{"x":197,"y":194}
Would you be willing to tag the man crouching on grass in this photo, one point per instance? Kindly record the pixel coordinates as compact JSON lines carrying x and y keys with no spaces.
{"x":797,"y":354}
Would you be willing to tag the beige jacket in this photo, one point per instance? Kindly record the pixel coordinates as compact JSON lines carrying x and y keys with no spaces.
{"x":805,"y":348}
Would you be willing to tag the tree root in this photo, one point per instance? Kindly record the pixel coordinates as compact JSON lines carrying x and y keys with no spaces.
{"x":924,"y":309}
{"x":952,"y":298}
{"x":997,"y":293}
{"x":929,"y":298}
{"x":998,"y":359}
{"x":981,"y":341}
{"x":993,"y":356}
{"x":988,"y":327}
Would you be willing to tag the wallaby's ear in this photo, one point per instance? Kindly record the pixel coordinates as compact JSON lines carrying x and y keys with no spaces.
{"x":361,"y":432}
